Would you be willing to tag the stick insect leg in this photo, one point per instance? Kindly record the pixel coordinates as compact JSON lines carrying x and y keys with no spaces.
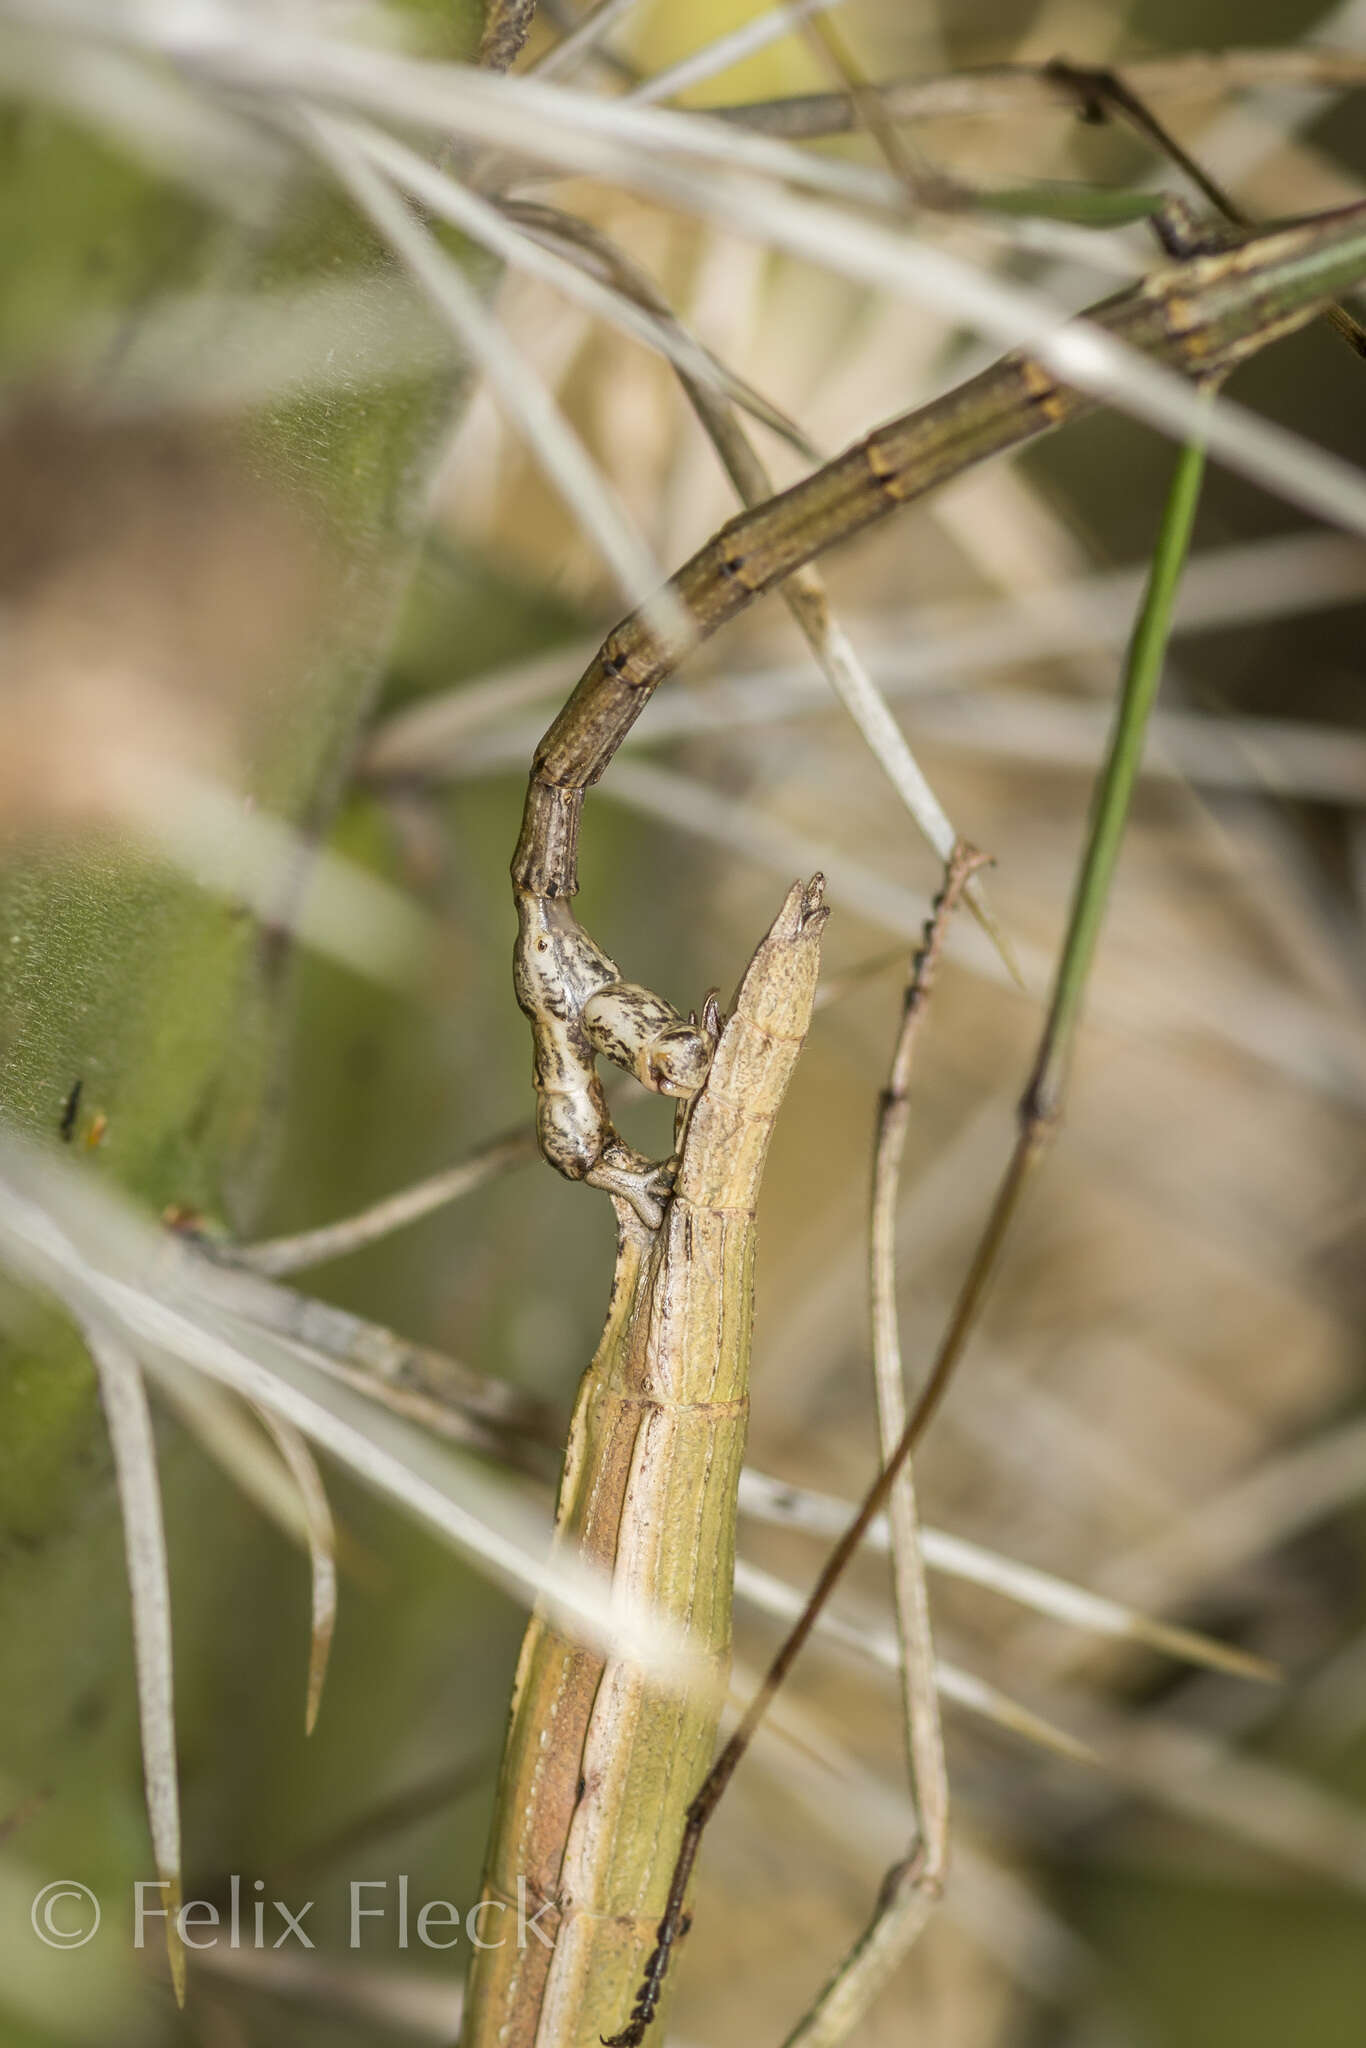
{"x":641,"y":1182}
{"x":580,"y":1007}
{"x":667,"y":1053}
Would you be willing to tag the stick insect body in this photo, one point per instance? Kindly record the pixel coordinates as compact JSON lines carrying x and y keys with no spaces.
{"x":648,"y":1492}
{"x":1202,"y":317}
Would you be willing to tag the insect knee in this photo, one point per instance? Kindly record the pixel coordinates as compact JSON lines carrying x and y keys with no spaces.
{"x":678,"y":1059}
{"x":642,"y":1033}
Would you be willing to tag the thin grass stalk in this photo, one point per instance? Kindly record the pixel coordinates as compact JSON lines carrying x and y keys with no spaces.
{"x":912,"y":1887}
{"x":723,"y":52}
{"x":581,"y":41}
{"x":277,"y":1255}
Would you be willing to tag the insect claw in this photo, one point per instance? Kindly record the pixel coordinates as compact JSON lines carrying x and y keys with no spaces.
{"x":631,"y":2036}
{"x":644,"y":1185}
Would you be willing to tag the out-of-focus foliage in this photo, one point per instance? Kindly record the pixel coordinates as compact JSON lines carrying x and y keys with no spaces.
{"x":195,"y":594}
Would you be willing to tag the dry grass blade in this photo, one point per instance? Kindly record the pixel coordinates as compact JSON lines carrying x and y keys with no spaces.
{"x":287,"y":1486}
{"x":498,"y":230}
{"x":825,"y":1515}
{"x":582,"y":40}
{"x":1256,"y":1513}
{"x":668,"y":156}
{"x":473,"y":729}
{"x":215,"y":354}
{"x":1261,"y":1021}
{"x":724,"y":51}
{"x":233,"y":1437}
{"x":443,"y":1416}
{"x":1277,"y":757}
{"x":1079,"y":354}
{"x":124,"y":1399}
{"x":882,"y":1647}
{"x":906,"y":1899}
{"x":691,"y":806}
{"x":77,"y":1243}
{"x":161,"y":121}
{"x":902,"y":157}
{"x":1246,"y":1798}
{"x":613,"y":140}
{"x":518,"y":388}
{"x":489,"y":1408}
{"x":278,"y":1255}
{"x":322,"y":1552}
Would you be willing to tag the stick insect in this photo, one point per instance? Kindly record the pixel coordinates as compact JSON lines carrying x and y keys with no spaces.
{"x":1201,"y":315}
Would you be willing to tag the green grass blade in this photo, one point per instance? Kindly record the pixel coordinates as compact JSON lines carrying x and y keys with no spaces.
{"x":1114,"y":791}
